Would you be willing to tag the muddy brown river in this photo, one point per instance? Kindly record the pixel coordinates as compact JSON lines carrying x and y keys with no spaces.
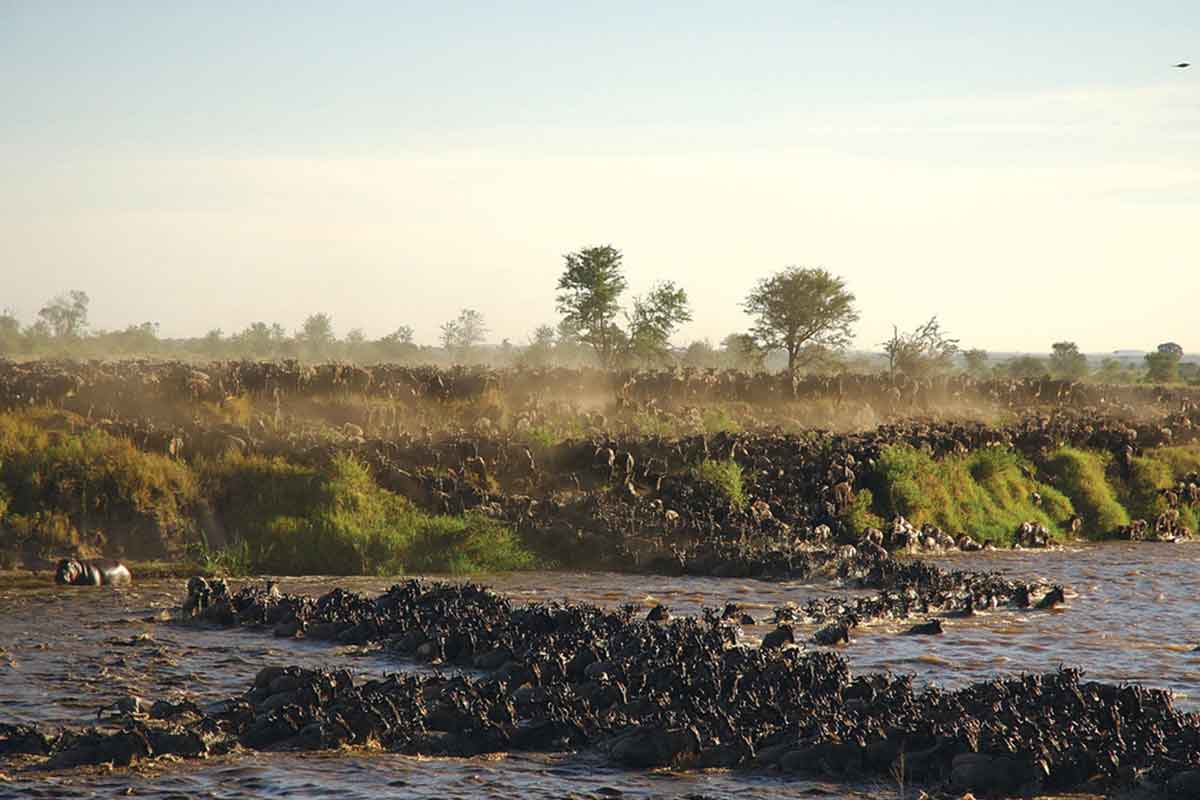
{"x":1132,"y":615}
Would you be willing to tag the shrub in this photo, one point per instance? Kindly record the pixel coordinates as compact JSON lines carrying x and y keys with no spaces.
{"x":726,"y":477}
{"x":1139,"y":493}
{"x":719,"y":419}
{"x":1181,"y":459}
{"x":860,"y":515}
{"x":1080,"y":475}
{"x":337,"y":520}
{"x":64,"y":489}
{"x":471,"y":543}
{"x":986,"y":494}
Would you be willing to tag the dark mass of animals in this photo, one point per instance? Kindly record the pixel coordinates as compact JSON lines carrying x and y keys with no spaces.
{"x":656,"y":689}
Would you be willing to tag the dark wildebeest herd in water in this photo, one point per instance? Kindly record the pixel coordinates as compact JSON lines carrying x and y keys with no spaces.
{"x":616,"y":491}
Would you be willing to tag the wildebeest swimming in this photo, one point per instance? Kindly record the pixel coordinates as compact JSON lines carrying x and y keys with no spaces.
{"x":97,"y":572}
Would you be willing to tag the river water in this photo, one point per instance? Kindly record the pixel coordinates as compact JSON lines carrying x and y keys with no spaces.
{"x":1132,"y":615}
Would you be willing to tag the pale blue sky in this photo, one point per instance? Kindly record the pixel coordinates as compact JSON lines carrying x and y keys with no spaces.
{"x":1028,"y":173}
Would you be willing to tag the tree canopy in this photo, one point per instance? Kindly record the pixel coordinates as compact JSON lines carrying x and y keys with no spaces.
{"x":589,"y":292}
{"x":1067,"y":362}
{"x":66,"y":315}
{"x":655,"y":317}
{"x":798,"y":308}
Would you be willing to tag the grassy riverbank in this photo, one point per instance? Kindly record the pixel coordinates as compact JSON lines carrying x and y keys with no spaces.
{"x":87,"y":492}
{"x":990,"y":492}
{"x":67,"y":488}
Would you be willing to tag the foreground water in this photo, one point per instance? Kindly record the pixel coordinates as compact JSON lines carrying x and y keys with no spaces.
{"x":64,"y":654}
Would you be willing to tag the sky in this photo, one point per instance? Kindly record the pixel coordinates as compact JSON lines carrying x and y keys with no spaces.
{"x":1028,"y":172}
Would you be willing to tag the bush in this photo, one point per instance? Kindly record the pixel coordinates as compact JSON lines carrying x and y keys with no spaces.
{"x":63,"y":490}
{"x":1182,"y":459}
{"x":458,"y":545}
{"x":719,"y":419}
{"x":986,"y":494}
{"x":337,"y":520}
{"x":1081,"y":477}
{"x":860,"y":515}
{"x":726,"y":477}
{"x":1139,"y":493}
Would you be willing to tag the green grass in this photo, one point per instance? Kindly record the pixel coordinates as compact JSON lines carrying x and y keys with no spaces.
{"x":1081,"y":476}
{"x":1159,"y":468}
{"x":83,"y":491}
{"x":1181,"y":459}
{"x":726,"y":477}
{"x":985,"y":494}
{"x":233,"y":560}
{"x":861,"y":515}
{"x":65,"y":491}
{"x":720,"y":419}
{"x":337,"y":520}
{"x":1140,"y":492}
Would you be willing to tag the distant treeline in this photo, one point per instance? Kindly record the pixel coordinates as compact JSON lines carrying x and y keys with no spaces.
{"x":802,"y":320}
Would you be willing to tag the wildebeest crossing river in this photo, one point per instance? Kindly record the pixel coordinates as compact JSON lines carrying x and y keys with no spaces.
{"x":1131,"y":616}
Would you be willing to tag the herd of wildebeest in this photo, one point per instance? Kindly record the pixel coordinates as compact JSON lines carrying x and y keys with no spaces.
{"x":649,"y":689}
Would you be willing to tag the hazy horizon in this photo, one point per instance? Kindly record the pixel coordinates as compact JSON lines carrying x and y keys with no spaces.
{"x":1028,"y":174}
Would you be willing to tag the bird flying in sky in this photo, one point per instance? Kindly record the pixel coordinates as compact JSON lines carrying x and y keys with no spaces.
{"x":1182,"y":65}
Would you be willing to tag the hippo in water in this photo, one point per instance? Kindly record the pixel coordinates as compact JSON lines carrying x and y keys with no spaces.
{"x":97,"y":572}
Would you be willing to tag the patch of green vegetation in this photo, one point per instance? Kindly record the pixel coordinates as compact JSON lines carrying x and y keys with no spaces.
{"x":986,"y":494}
{"x":860,"y":515}
{"x":543,"y":437}
{"x":467,"y":544}
{"x":720,"y":419}
{"x":65,"y":490}
{"x":337,"y":520}
{"x":1140,"y":492}
{"x":1159,"y":468}
{"x":726,"y":477}
{"x":231,"y":561}
{"x":1080,"y":475}
{"x":1182,"y":459}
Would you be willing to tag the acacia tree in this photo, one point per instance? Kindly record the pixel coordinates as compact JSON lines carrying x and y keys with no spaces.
{"x":540,"y":351}
{"x":465,"y":332}
{"x":66,"y":315}
{"x":588,"y":293}
{"x":10,"y":332}
{"x":923,"y":351}
{"x":317,"y":333}
{"x":1026,"y":367}
{"x":744,"y":351}
{"x":260,"y":339}
{"x":398,"y":344}
{"x":1163,"y":365}
{"x":655,"y":317}
{"x":1067,"y":362}
{"x":976,"y":361}
{"x":798,"y":308}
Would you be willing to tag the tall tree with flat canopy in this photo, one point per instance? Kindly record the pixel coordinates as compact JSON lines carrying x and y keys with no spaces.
{"x":798,"y":308}
{"x":588,"y":292}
